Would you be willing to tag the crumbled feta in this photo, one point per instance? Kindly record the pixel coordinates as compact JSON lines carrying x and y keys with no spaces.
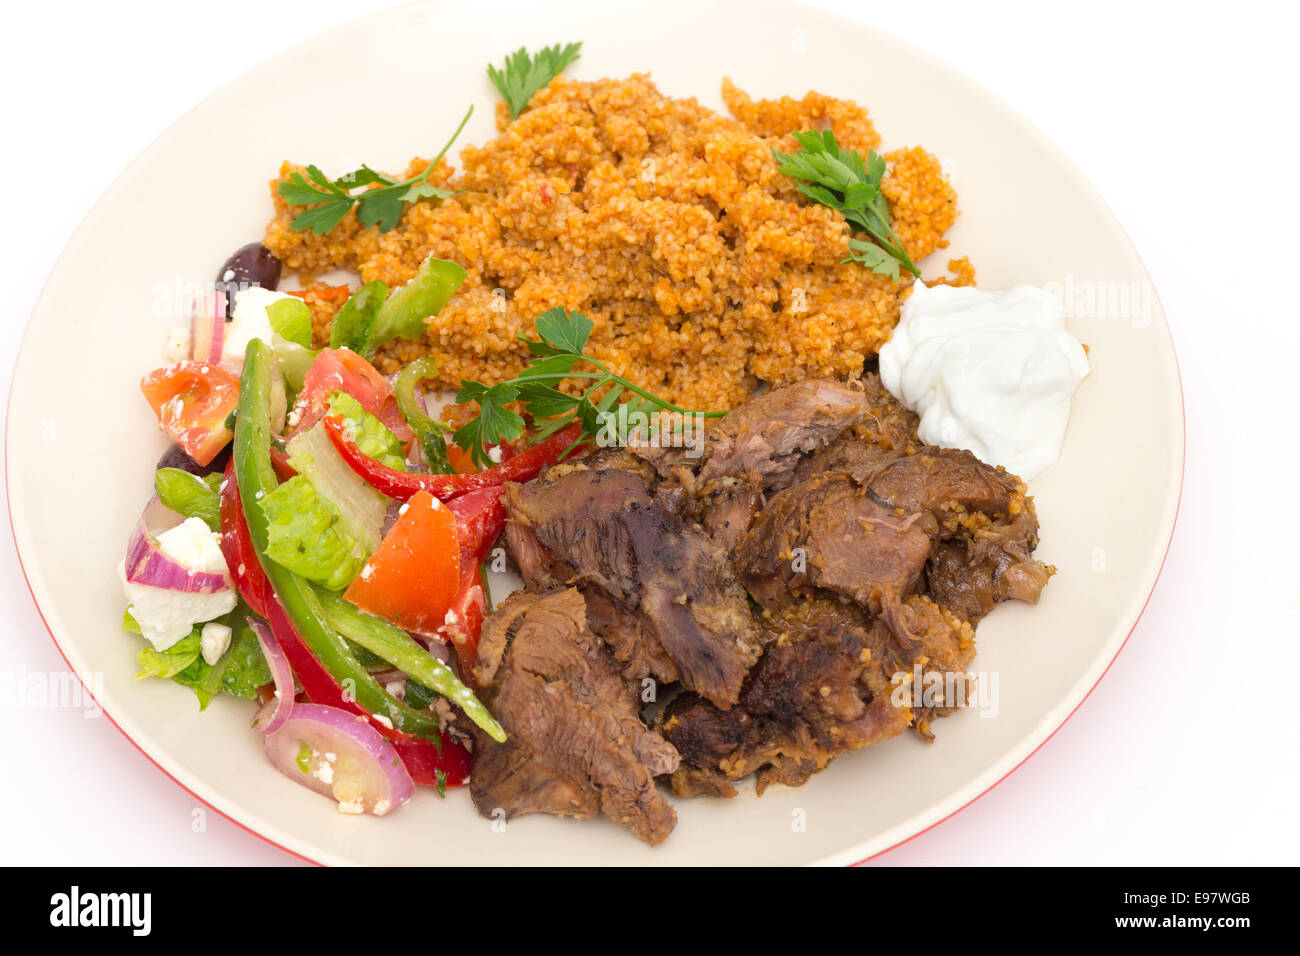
{"x":213,"y":641}
{"x":352,"y":806}
{"x":194,"y":546}
{"x":165,"y":616}
{"x":382,"y":807}
{"x":381,"y":719}
{"x":495,"y":453}
{"x":396,"y":689}
{"x":367,"y":572}
{"x":248,"y":321}
{"x":324,"y":773}
{"x":180,"y":344}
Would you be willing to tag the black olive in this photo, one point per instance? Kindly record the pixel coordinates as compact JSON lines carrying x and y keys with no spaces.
{"x":173,"y":457}
{"x":254,"y":264}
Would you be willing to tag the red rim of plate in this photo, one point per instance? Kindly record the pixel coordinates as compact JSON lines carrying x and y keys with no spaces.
{"x":1155,"y":582}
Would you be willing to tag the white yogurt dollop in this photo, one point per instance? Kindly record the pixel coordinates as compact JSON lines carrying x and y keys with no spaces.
{"x":991,"y":372}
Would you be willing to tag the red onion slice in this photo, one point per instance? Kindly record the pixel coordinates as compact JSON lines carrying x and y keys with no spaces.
{"x":146,"y":563}
{"x":275,"y":711}
{"x":208,"y":328}
{"x":340,"y":755}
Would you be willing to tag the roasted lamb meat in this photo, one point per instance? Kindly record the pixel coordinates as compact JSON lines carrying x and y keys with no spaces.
{"x":576,"y":745}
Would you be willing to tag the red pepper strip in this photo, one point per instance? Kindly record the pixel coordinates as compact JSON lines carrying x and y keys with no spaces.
{"x":421,"y":757}
{"x":403,"y":485}
{"x":480,"y":519}
{"x":237,"y":546}
{"x":423,"y":761}
{"x":465,"y":621}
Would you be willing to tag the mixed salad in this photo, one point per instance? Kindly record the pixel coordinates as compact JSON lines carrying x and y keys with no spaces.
{"x":315,"y":542}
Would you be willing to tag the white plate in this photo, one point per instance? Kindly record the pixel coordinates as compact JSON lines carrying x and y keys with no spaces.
{"x":391,"y":86}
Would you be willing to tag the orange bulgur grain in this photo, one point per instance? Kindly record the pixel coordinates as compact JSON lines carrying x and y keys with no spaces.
{"x":704,"y":270}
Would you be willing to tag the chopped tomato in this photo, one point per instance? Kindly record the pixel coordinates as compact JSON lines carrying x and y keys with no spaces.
{"x":325,"y":293}
{"x":342,"y":370}
{"x":193,"y":401}
{"x":460,"y":460}
{"x":413,"y":576}
{"x":280,"y":462}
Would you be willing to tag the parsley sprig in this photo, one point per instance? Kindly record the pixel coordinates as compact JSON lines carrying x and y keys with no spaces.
{"x":841,"y":179}
{"x":524,"y":74}
{"x":558,"y":354}
{"x":329,"y":200}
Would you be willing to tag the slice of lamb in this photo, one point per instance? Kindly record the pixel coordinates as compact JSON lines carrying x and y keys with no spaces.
{"x":822,"y":688}
{"x":830,"y":681}
{"x":851,"y":453}
{"x":575,"y":741}
{"x":664,"y":595}
{"x":770,"y":434}
{"x":728,"y":508}
{"x":828,"y":533}
{"x":975,"y":571}
{"x":947,"y":647}
{"x":945,"y":482}
{"x":887,"y":431}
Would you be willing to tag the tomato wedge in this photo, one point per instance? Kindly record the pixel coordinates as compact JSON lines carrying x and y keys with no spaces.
{"x":460,"y":460}
{"x":193,"y":401}
{"x":413,"y":576}
{"x":342,"y":370}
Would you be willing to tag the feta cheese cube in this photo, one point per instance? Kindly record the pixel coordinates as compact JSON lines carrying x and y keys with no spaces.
{"x":213,"y":641}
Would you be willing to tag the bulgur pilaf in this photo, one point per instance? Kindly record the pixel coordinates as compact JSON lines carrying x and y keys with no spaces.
{"x":703,"y":268}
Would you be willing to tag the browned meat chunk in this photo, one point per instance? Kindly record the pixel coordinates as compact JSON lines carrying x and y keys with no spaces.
{"x":770,"y":434}
{"x":887,"y":431}
{"x":822,"y":688}
{"x":947,"y":483}
{"x":576,"y":745}
{"x":830,"y":681}
{"x":661,"y":593}
{"x":973,"y":572}
{"x":828,"y":533}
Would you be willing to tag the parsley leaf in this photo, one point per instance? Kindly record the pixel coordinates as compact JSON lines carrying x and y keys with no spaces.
{"x":873,"y":257}
{"x":330,"y":200}
{"x":842,"y":180}
{"x":523,"y":75}
{"x":564,"y":330}
{"x":496,"y":423}
{"x":558,"y":350}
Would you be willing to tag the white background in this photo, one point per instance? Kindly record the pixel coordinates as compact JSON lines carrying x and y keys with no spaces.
{"x":1183,"y":117}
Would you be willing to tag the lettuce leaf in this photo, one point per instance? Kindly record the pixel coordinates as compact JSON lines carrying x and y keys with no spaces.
{"x":368,"y":433}
{"x":243,"y":668}
{"x":307,"y":535}
{"x":167,"y":664}
{"x":239,"y":672}
{"x":189,"y":495}
{"x":291,"y":320}
{"x":313,"y":455}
